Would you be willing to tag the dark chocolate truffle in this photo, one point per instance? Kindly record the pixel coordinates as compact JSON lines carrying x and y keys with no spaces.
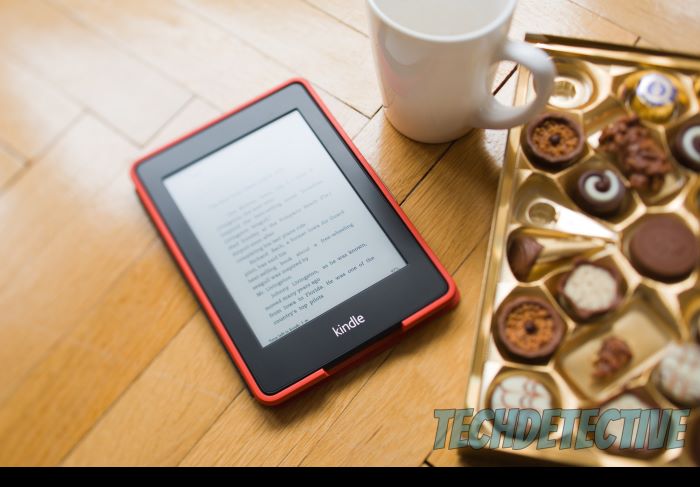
{"x":554,"y":140}
{"x":529,"y":328}
{"x":600,"y":193}
{"x":686,"y":144}
{"x":663,"y":248}
{"x":590,"y":290}
{"x":643,"y":160}
{"x":522,"y":255}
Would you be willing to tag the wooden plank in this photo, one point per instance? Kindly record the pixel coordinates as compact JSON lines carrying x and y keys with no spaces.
{"x":452,"y":206}
{"x":87,"y":370}
{"x":399,"y":161}
{"x":132,"y":97}
{"x":349,"y":12}
{"x":307,"y":41}
{"x":10,"y":165}
{"x":168,"y":407}
{"x":154,"y":31}
{"x":96,"y":229}
{"x":565,"y":18}
{"x":425,"y":371}
{"x":668,"y":25}
{"x":33,"y":112}
{"x":271,"y":433}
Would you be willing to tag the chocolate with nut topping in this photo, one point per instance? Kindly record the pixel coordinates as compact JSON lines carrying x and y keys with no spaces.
{"x":554,"y":140}
{"x":643,"y":160}
{"x":529,"y":328}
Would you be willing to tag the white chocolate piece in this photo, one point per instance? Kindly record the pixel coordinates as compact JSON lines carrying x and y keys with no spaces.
{"x":625,"y":401}
{"x":687,"y":142}
{"x":603,"y":196}
{"x":520,"y":391}
{"x":679,"y":374}
{"x":591,"y":288}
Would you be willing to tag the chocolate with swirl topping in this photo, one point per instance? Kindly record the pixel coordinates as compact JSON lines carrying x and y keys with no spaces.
{"x":600,"y":193}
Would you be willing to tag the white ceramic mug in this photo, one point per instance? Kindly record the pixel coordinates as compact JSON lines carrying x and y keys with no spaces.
{"x":436,"y":61}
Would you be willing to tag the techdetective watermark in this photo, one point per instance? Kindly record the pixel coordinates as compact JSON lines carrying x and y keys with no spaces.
{"x":517,"y":429}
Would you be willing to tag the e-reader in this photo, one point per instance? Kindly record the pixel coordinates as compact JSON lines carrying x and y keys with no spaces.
{"x":300,"y":257}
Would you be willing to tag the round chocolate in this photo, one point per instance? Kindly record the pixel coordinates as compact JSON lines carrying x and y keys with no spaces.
{"x":590,"y":290}
{"x":655,"y":97}
{"x":629,"y":400}
{"x":678,"y":374}
{"x":663,"y":248}
{"x":522,"y":255}
{"x":554,"y":140}
{"x":686,"y":144}
{"x":521,"y":391}
{"x":529,"y":328}
{"x":600,"y":193}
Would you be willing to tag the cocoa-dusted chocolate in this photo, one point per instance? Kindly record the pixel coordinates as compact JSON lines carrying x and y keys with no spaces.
{"x":554,"y":140}
{"x":643,"y":160}
{"x":664,"y":248}
{"x":529,"y":328}
{"x":600,"y":193}
{"x":613,"y":356}
{"x":590,"y":290}
{"x":686,"y":144}
{"x":522,"y":255}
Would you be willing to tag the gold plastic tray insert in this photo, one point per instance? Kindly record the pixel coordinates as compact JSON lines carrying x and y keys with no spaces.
{"x":539,"y":202}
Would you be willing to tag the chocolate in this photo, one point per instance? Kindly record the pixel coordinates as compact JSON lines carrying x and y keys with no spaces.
{"x":643,"y":160}
{"x":590,"y":290}
{"x":521,"y":391}
{"x":554,"y":140}
{"x":613,"y":356}
{"x":663,"y":248}
{"x":522,"y":255}
{"x":655,"y":98}
{"x":678,"y":374}
{"x":529,"y":328}
{"x":628,"y":400}
{"x":686,"y":144}
{"x":600,"y":193}
{"x":695,"y":444}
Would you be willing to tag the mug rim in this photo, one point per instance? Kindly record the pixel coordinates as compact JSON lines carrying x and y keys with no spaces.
{"x":499,"y":20}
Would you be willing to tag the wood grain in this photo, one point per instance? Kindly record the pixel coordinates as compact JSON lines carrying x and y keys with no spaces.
{"x":170,"y":37}
{"x":87,"y":370}
{"x":168,"y":407}
{"x":33,"y":112}
{"x":668,"y":25}
{"x":10,"y":165}
{"x":349,"y":12}
{"x":307,"y":41}
{"x":130,"y":96}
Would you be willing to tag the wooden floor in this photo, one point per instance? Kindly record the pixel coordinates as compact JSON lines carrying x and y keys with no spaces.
{"x":105,"y":357}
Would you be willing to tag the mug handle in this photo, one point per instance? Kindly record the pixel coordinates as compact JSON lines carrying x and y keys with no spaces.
{"x":495,"y":115}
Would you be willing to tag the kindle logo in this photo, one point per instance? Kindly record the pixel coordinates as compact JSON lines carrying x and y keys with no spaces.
{"x":346,"y":327}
